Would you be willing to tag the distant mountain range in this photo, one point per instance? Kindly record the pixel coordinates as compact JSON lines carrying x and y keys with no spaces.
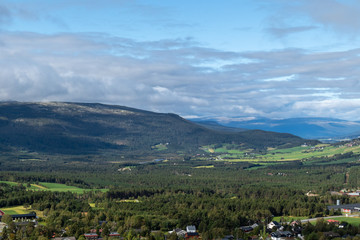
{"x":76,"y":128}
{"x":309,"y":128}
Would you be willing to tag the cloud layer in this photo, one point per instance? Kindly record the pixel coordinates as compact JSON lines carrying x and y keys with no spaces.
{"x":178,"y":75}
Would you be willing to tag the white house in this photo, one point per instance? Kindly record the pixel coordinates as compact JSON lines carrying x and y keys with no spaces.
{"x":273,"y":224}
{"x":191,"y":229}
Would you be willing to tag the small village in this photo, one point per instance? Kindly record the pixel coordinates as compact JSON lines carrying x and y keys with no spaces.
{"x":274,"y":230}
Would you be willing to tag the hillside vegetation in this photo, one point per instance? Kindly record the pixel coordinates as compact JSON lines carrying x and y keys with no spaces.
{"x":85,"y":128}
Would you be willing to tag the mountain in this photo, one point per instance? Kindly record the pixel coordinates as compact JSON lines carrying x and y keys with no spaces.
{"x":309,"y":128}
{"x":91,"y":128}
{"x":213,"y":125}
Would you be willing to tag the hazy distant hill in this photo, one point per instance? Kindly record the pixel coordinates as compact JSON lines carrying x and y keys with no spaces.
{"x":213,"y":125}
{"x":310,"y":128}
{"x":90,"y":128}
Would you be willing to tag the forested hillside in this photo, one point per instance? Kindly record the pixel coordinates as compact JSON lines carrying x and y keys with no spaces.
{"x":78,"y":128}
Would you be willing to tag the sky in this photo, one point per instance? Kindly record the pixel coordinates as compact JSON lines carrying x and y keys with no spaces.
{"x":196,"y":58}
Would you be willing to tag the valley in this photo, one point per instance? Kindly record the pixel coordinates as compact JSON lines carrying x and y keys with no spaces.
{"x":160,"y":180}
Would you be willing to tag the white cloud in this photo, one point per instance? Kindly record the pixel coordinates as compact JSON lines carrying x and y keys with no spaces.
{"x":159,"y":76}
{"x":280,"y":79}
{"x":338,"y":108}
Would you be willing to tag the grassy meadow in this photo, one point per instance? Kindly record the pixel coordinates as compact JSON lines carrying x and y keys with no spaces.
{"x":303,"y":153}
{"x":351,"y":220}
{"x":15,"y":210}
{"x":55,"y":187}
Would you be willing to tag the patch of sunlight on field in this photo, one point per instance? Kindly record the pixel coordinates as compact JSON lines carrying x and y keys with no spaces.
{"x":57,"y":187}
{"x":129,"y":200}
{"x":38,"y":186}
{"x":38,"y":213}
{"x":15,"y":210}
{"x":32,"y":159}
{"x":210,"y":166}
{"x":94,"y":207}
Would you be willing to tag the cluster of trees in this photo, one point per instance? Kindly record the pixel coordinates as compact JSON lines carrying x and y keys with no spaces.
{"x":214,"y":213}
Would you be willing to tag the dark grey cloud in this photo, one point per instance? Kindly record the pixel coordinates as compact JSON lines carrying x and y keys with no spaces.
{"x":179,"y":75}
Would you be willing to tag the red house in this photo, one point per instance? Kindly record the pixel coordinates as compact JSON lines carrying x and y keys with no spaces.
{"x":91,"y":236}
{"x":114,"y":235}
{"x":191,"y":235}
{"x":336,"y":222}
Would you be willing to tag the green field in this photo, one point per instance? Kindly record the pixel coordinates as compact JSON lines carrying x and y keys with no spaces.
{"x":21,"y":210}
{"x":159,"y":147}
{"x":10,"y":183}
{"x":55,"y":187}
{"x":303,"y":153}
{"x":351,"y":220}
{"x":15,"y":210}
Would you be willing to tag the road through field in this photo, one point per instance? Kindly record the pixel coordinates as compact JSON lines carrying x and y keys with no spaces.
{"x":315,"y":219}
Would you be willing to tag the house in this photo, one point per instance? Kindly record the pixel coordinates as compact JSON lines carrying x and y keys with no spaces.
{"x":64,"y":238}
{"x":191,"y":229}
{"x":228,"y":237}
{"x":336,"y":222}
{"x":295,"y":223}
{"x":179,"y":232}
{"x":329,"y":235}
{"x":114,"y":235}
{"x":23,"y":217}
{"x":191,"y":235}
{"x":191,"y":232}
{"x":246,"y":228}
{"x":255,"y":225}
{"x":353,"y":194}
{"x":25,"y":223}
{"x":343,"y":225}
{"x":91,"y":236}
{"x":2,"y":226}
{"x":347,"y":208}
{"x":273,"y":224}
{"x":278,"y":235}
